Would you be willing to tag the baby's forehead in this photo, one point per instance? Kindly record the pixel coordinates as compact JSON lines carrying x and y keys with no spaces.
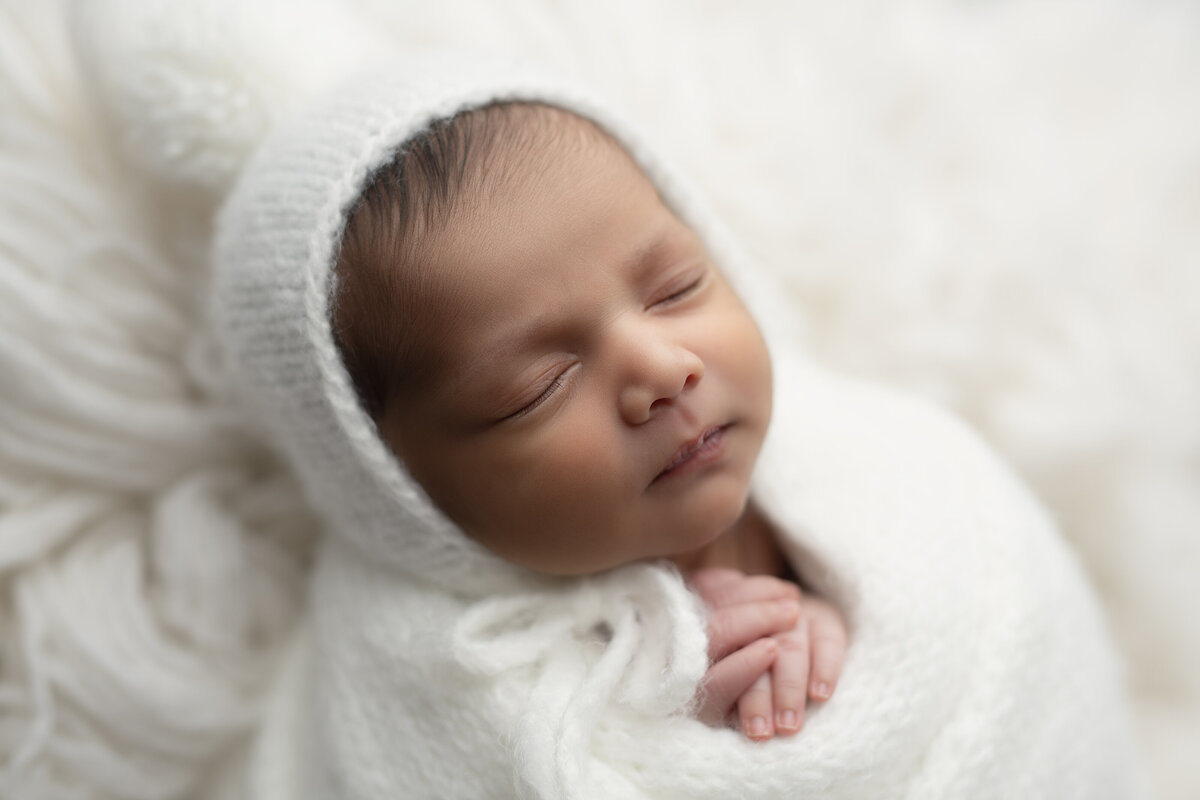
{"x":505,"y":165}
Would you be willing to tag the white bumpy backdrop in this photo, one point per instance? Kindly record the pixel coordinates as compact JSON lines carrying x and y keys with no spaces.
{"x":993,"y":203}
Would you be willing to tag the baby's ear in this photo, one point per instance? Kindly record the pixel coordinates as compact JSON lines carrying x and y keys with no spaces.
{"x":187,"y":88}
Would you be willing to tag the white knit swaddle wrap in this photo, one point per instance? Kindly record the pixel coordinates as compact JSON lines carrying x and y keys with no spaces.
{"x":978,"y":666}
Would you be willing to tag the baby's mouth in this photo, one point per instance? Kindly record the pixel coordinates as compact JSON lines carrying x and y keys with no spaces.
{"x":705,"y":448}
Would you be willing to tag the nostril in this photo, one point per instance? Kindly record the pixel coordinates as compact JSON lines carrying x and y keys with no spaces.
{"x":691,"y":380}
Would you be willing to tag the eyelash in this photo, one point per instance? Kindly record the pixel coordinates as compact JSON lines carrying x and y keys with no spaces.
{"x":554,"y":386}
{"x":680,"y":294}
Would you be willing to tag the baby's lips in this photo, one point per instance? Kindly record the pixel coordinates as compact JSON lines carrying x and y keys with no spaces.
{"x":689,"y":449}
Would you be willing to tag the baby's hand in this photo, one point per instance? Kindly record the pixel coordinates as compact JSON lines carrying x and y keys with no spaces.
{"x":771,"y":647}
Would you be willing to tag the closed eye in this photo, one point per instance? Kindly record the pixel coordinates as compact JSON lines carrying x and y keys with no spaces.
{"x":546,"y":394}
{"x":678,"y":294}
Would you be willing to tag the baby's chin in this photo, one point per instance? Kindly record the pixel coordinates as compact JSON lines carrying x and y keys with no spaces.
{"x":702,"y":544}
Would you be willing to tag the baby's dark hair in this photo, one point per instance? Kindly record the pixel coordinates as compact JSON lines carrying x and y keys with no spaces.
{"x":379,"y":268}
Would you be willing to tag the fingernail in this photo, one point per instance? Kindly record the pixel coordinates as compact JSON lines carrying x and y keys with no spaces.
{"x":821,"y":691}
{"x":786,"y":719}
{"x":757,"y":728}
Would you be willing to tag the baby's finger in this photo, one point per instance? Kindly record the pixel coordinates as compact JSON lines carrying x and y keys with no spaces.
{"x":710,"y":579}
{"x":790,"y":679}
{"x":754,"y":710}
{"x":731,"y":677}
{"x":749,"y":589}
{"x":732,"y":628}
{"x":827,"y":640}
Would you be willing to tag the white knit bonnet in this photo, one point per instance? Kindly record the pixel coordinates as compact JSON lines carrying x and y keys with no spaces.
{"x":277,"y":241}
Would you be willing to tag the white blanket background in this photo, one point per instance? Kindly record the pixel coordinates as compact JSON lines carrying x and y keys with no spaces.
{"x":994,"y":204}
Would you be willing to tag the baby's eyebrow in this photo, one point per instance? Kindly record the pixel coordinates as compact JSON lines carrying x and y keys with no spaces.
{"x":644,"y":258}
{"x":505,"y":347}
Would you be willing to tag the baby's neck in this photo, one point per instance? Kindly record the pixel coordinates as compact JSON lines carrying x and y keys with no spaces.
{"x":749,"y":546}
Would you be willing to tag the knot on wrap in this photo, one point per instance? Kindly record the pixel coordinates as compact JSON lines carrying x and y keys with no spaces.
{"x":632,"y":637}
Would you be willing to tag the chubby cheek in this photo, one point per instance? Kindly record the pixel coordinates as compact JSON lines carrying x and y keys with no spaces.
{"x":756,"y":375}
{"x":735,"y":356}
{"x":555,"y":499}
{"x":575,"y":468}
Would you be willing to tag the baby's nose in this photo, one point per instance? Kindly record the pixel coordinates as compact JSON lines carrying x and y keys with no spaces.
{"x":659,"y":376}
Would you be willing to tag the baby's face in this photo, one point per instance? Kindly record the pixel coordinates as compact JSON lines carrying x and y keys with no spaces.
{"x":600,"y":394}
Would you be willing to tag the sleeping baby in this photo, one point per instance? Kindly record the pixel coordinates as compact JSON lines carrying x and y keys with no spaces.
{"x":553,"y":355}
{"x":511,"y":357}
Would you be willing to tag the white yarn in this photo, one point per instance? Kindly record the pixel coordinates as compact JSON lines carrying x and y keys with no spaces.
{"x":134,"y":639}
